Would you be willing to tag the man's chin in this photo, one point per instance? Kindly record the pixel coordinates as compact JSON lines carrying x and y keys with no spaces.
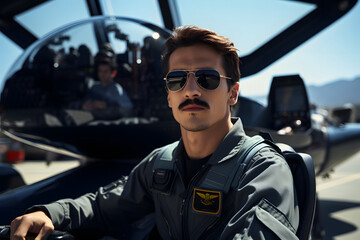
{"x":194,"y":127}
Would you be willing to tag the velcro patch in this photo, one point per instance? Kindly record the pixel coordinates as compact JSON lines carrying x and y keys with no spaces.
{"x":206,"y":201}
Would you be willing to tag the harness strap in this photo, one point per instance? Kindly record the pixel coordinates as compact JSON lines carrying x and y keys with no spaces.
{"x":220,"y":176}
{"x":244,"y":165}
{"x":165,"y":157}
{"x":226,"y":174}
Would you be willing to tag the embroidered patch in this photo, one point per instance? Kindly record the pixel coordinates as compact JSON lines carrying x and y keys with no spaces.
{"x":206,"y":201}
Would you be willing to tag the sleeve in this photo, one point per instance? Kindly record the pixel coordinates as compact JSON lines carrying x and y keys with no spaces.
{"x":118,"y":209}
{"x":265,"y":201}
{"x":124,"y":100}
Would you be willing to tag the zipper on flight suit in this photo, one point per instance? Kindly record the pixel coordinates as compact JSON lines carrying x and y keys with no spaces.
{"x":184,"y":203}
{"x":167,"y":224}
{"x":182,"y":207}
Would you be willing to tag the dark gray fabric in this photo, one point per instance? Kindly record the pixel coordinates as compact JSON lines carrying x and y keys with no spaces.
{"x":262,"y":206}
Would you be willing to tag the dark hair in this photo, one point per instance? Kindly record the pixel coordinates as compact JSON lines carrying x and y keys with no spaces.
{"x":104,"y":58}
{"x":106,"y":55}
{"x":190,"y":35}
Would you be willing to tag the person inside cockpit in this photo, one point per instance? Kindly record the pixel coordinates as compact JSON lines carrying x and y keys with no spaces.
{"x":106,"y":94}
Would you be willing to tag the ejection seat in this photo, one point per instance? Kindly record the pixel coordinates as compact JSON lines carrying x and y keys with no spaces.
{"x":302,"y":168}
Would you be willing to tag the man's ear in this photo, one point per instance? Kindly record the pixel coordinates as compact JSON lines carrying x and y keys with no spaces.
{"x":234,"y":94}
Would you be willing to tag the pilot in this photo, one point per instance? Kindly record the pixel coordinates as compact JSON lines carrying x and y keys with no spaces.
{"x":182,"y":188}
{"x":106,"y":94}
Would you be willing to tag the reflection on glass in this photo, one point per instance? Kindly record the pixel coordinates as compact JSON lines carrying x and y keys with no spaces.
{"x":107,"y":98}
{"x":102,"y":69}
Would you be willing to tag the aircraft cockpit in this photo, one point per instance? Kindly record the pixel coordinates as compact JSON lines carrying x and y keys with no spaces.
{"x":46,"y":90}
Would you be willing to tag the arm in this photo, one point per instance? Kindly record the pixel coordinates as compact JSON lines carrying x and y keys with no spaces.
{"x":265,"y":201}
{"x":116,"y":209}
{"x":120,"y":97}
{"x":113,"y":209}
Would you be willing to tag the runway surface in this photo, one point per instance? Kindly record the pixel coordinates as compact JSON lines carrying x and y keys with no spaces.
{"x":340,"y":201}
{"x":339,"y":195}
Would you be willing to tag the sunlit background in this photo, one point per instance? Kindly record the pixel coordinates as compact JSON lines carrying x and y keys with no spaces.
{"x":332,"y":55}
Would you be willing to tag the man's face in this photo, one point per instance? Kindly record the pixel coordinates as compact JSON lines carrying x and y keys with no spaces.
{"x":194,"y":107}
{"x":105,"y":74}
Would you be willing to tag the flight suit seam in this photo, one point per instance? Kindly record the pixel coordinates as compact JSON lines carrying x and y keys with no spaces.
{"x":276,"y":213}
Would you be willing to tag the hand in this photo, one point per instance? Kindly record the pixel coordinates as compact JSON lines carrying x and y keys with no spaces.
{"x":99,"y":104}
{"x":87,"y":105}
{"x":93,"y":105}
{"x":36,"y":222}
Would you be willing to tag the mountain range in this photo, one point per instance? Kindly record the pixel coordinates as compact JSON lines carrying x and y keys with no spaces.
{"x":336,"y":93}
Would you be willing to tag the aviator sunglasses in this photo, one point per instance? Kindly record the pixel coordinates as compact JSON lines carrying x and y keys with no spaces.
{"x":208,"y":79}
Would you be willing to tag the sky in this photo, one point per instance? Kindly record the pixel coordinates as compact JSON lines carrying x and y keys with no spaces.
{"x":331,"y":55}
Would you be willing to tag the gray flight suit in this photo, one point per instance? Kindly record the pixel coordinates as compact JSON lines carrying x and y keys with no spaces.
{"x":262,"y":206}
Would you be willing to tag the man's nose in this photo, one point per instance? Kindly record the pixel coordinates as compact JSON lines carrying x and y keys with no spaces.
{"x":191,"y":89}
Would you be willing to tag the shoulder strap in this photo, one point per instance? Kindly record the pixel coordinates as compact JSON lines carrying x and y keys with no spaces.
{"x":222,"y":175}
{"x":243,"y":166}
{"x":163,"y":170}
{"x":165,"y":159}
{"x":267,"y":142}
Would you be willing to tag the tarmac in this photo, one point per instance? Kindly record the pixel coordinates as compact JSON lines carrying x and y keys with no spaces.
{"x":339,"y":198}
{"x":339,"y":195}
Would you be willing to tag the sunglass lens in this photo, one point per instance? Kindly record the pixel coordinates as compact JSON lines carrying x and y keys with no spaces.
{"x":208,"y":79}
{"x":176,"y":80}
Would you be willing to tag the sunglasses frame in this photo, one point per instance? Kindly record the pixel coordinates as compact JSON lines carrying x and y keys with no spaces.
{"x":188,"y":72}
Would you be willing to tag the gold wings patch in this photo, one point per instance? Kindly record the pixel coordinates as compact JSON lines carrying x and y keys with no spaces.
{"x":206,"y":201}
{"x":207,"y":198}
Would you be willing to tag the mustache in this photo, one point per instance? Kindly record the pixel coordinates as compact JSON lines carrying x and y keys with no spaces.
{"x":194,"y":101}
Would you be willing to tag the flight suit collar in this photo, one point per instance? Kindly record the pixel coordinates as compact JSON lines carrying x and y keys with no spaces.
{"x":228,"y":148}
{"x":231,"y":144}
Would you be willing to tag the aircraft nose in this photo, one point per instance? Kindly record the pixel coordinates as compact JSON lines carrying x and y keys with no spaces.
{"x":343,"y":142}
